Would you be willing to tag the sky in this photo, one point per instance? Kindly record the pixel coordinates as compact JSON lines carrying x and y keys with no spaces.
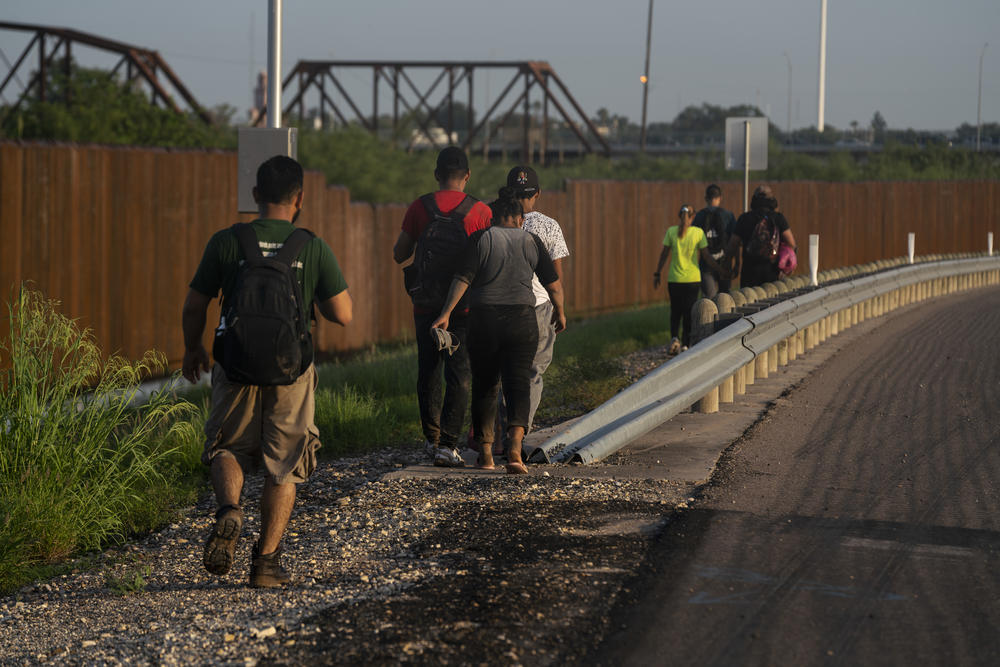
{"x":915,"y":61}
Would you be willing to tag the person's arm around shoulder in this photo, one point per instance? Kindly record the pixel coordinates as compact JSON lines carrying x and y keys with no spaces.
{"x":193,"y":317}
{"x":550,"y":279}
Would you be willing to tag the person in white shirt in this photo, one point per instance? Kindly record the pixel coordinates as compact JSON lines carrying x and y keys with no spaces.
{"x":524,"y":180}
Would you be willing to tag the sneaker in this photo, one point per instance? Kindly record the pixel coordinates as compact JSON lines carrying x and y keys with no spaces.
{"x":675,"y":347}
{"x":430,"y":449}
{"x":266,"y":570}
{"x":448,"y":458}
{"x":684,"y":348}
{"x":221,"y":544}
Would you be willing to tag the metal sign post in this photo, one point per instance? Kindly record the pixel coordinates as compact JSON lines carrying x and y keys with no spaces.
{"x":746,"y":148}
{"x":746,"y":165}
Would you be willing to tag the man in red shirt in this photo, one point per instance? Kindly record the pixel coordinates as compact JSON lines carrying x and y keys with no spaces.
{"x":442,"y":419}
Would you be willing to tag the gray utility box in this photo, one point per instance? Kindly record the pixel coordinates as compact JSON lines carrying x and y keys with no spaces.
{"x":736,"y":141}
{"x":258,"y":144}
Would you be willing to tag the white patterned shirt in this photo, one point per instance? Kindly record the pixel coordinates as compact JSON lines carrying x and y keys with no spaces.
{"x":549,"y":231}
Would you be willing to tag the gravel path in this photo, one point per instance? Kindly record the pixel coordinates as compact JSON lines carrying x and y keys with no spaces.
{"x":498,"y":569}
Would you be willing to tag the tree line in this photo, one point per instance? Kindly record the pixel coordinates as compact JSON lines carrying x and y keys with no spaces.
{"x":94,"y":106}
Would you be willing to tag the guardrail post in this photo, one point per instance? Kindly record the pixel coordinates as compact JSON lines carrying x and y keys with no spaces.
{"x":704,"y":313}
{"x":800,"y":343}
{"x":703,"y":316}
{"x":772,"y":359}
{"x":739,"y":299}
{"x":760,"y":365}
{"x":911,"y":242}
{"x":783,"y":354}
{"x":989,"y":244}
{"x":726,"y":304}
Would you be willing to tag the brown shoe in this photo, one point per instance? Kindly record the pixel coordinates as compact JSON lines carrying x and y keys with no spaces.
{"x":221,"y":544}
{"x":266,"y":570}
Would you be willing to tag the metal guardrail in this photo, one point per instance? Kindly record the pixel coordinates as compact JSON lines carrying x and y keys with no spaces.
{"x":803,"y":316}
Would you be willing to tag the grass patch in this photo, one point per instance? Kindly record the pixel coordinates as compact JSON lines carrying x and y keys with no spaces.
{"x":585,"y":371}
{"x":80,"y":465}
{"x":133,"y":581}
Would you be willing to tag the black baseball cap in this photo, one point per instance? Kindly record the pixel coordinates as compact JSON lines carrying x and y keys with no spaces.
{"x":524,"y":180}
{"x":452,"y":159}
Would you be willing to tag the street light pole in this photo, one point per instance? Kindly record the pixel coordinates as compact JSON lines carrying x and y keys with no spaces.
{"x":979,"y":102}
{"x":274,"y":63}
{"x":822,"y":64}
{"x":789,"y":128}
{"x":645,"y":77}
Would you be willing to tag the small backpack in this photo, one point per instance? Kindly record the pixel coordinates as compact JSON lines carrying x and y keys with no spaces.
{"x":715,"y":233}
{"x":263,"y":336}
{"x":764,"y":241}
{"x":439,"y":250}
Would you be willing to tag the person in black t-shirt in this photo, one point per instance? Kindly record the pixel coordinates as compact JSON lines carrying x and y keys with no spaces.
{"x":755,"y":266}
{"x":717,"y":223}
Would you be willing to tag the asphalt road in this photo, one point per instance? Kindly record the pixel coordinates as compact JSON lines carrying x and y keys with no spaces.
{"x":858,"y":523}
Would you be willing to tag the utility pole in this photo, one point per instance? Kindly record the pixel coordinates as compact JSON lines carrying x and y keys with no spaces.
{"x":645,"y":77}
{"x":822,"y":64}
{"x":979,"y":102}
{"x":788,"y":129}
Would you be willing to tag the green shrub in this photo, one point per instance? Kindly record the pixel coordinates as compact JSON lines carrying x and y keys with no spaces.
{"x":80,"y":464}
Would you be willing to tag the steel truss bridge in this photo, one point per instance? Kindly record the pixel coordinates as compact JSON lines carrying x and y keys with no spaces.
{"x":141,"y":65}
{"x":527,"y":79}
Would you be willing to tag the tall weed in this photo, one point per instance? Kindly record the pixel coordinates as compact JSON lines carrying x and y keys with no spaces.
{"x":79,"y":463}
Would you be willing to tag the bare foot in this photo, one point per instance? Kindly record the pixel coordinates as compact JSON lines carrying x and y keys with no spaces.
{"x":485,"y":459}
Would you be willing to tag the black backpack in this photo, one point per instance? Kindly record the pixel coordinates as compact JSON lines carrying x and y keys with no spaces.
{"x":715,"y":232}
{"x":263,"y":337}
{"x":765,"y":240}
{"x":438,"y":252}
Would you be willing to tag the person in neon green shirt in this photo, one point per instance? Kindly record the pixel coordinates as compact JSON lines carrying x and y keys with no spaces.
{"x":688,"y":244}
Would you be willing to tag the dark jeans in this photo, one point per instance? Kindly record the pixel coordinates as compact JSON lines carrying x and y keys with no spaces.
{"x":502,"y":345}
{"x":442,"y":418}
{"x":682,"y":298}
{"x":755,"y":273}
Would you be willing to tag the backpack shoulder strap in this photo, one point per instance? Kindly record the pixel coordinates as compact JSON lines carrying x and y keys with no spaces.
{"x":247,"y":239}
{"x":293,"y":245}
{"x":430,"y":205}
{"x":463,"y":208}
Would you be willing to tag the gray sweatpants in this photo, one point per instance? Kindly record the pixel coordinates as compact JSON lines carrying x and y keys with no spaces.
{"x":543,"y":356}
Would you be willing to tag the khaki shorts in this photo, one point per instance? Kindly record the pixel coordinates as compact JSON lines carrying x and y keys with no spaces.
{"x":264,"y":426}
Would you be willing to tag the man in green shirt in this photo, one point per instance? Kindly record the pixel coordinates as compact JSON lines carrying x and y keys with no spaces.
{"x":253,"y":426}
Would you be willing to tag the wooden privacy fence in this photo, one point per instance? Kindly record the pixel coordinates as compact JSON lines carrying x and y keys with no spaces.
{"x":115,"y":234}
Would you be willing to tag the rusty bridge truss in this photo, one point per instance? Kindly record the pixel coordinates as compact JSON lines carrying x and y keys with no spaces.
{"x":422,"y":106}
{"x":141,"y":65}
